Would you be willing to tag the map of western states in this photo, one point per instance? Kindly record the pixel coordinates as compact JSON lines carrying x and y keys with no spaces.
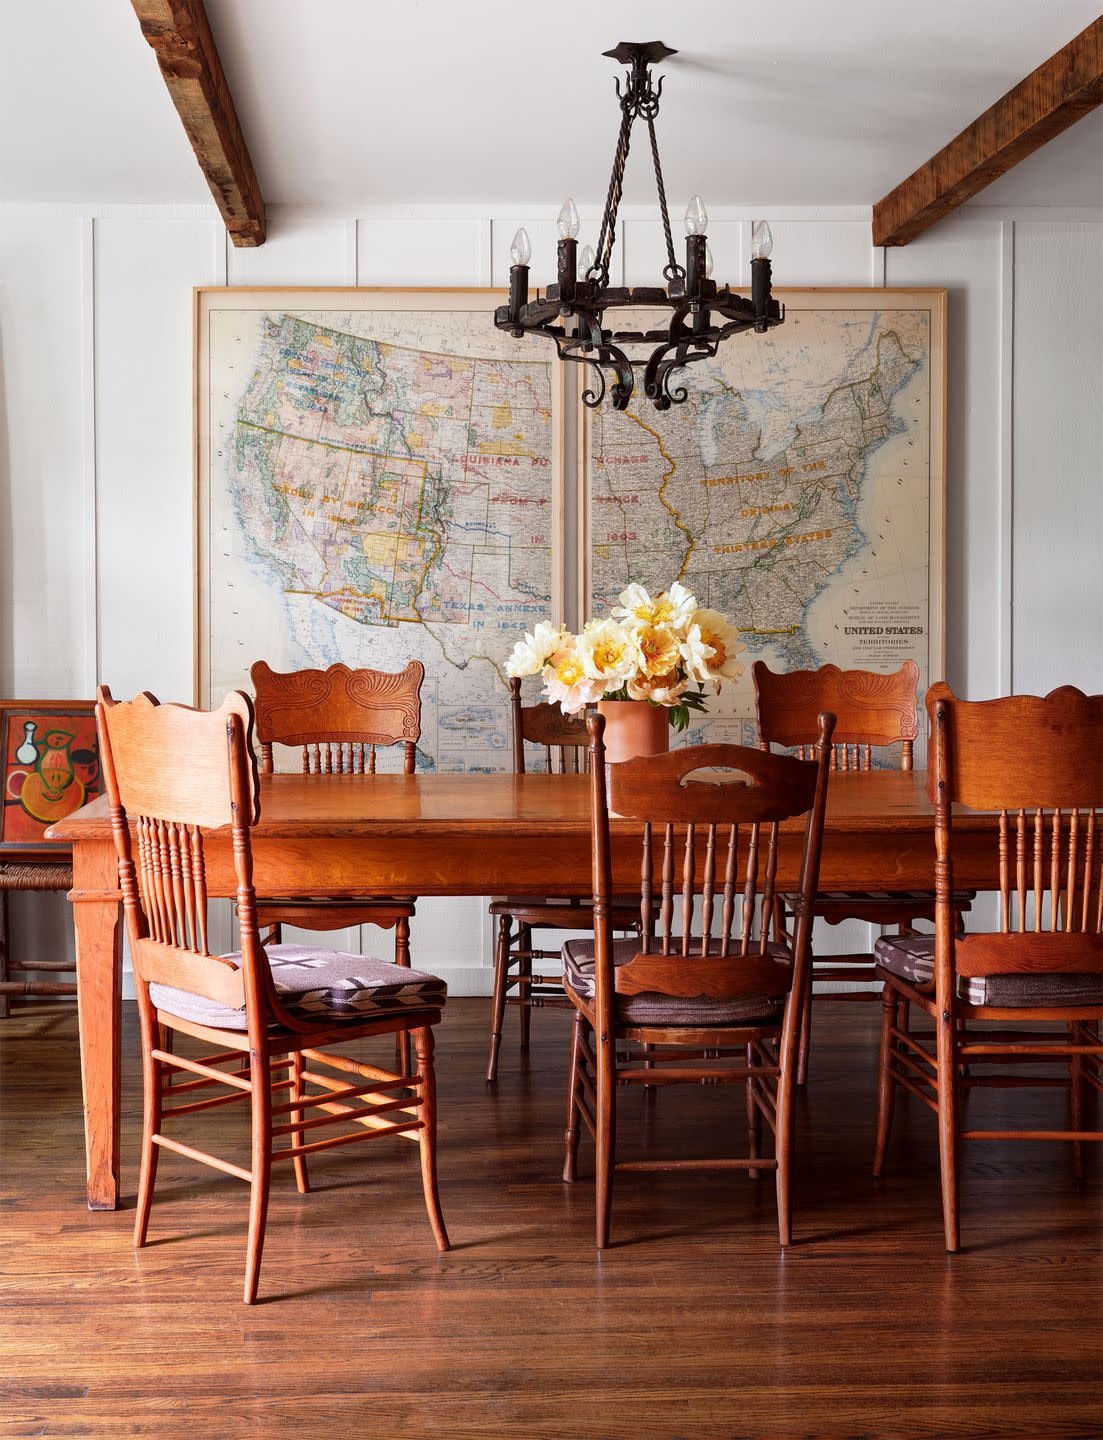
{"x":790,"y":491}
{"x":401,"y":497}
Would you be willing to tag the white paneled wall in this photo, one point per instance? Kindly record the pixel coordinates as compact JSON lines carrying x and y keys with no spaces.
{"x":96,"y":509}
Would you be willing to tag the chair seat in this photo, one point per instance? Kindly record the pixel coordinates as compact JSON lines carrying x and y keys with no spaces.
{"x":879,"y":906}
{"x":562,"y":914}
{"x":911,"y":957}
{"x":315,"y":984}
{"x":651,"y":1008}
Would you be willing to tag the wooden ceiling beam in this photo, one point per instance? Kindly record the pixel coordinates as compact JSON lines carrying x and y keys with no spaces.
{"x":181,"y":38}
{"x":1049,"y":100}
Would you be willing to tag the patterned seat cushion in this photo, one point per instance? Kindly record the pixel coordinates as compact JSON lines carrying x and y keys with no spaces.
{"x":651,"y":1008}
{"x":317,"y":985}
{"x":912,"y":958}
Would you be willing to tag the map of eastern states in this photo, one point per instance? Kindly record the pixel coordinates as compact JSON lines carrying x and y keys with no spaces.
{"x":382,"y":491}
{"x":791,"y":491}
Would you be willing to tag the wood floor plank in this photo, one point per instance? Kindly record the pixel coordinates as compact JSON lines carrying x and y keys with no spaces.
{"x":692,"y":1325}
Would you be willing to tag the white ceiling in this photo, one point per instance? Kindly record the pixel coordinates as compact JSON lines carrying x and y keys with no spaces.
{"x":354,"y":102}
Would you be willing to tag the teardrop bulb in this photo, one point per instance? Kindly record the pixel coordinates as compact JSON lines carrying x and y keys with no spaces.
{"x":568,"y":221}
{"x":762,"y":242}
{"x":697,"y":217}
{"x":586,"y":258}
{"x":708,"y":261}
{"x":520,"y":252}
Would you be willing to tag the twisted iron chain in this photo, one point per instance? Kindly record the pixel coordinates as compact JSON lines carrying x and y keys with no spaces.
{"x":673,"y":268}
{"x":607,"y":233}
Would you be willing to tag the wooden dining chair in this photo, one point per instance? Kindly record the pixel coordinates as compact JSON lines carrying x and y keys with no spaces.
{"x":874,"y":712}
{"x":697,"y":1000}
{"x":564,"y":741}
{"x":267,"y":1012}
{"x":339,"y":719}
{"x":1039,"y":764}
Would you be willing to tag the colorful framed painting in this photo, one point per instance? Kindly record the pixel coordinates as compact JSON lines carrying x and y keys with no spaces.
{"x":379,"y":480}
{"x":51,"y":767}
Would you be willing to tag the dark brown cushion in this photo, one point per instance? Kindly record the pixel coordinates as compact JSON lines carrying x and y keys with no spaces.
{"x":652,"y":1008}
{"x":911,"y":957}
{"x":320,"y":985}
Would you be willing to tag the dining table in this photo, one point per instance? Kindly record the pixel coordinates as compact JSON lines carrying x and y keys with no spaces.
{"x":432,"y":834}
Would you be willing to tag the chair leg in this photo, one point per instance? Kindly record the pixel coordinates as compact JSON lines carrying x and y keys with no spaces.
{"x":606,"y":1118}
{"x":525,"y":991}
{"x":402,"y":957}
{"x":805,"y":1035}
{"x":788,"y":1043}
{"x":754,"y":1119}
{"x":427,"y":1135}
{"x":152,"y":1073}
{"x":573,"y":1131}
{"x":1077,"y":1094}
{"x":261,"y":1104}
{"x":302,"y":1180}
{"x":5,"y":999}
{"x":946,"y":1037}
{"x":498,"y":1005}
{"x":886,"y":1085}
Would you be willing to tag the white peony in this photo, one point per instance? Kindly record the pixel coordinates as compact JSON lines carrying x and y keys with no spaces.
{"x":710,"y":647}
{"x":674,"y":607}
{"x":607,"y":653}
{"x":665,"y":689}
{"x":656,"y":650}
{"x":567,"y":684}
{"x":531,"y":654}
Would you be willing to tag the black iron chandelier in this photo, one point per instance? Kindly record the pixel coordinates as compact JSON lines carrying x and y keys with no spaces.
{"x":701,"y":314}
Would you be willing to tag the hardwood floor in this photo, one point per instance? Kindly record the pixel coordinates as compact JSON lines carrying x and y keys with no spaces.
{"x":692,"y":1325}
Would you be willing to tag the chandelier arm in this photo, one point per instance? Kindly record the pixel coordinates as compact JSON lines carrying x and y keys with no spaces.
{"x":673,"y":270}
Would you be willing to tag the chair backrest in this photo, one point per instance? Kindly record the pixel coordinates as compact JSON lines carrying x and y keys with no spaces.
{"x":338,"y":716}
{"x":564,"y":737}
{"x":870,"y":710}
{"x":1038,"y":762}
{"x":733,"y":863}
{"x":170,"y":773}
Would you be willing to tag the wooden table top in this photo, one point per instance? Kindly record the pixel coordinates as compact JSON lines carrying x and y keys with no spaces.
{"x":299,"y":806}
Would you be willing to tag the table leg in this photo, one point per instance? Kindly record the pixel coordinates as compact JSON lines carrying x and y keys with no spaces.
{"x":97,"y":921}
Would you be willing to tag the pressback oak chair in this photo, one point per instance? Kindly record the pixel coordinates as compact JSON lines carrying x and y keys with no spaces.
{"x":338,"y":719}
{"x":873,"y":712}
{"x":1039,"y":763}
{"x":267,"y":1012}
{"x":667,"y":1007}
{"x":565,"y":741}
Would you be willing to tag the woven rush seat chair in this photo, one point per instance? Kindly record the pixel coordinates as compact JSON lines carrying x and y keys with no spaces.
{"x":667,"y":1008}
{"x":268,"y":1013}
{"x":1039,"y":764}
{"x":872,"y":711}
{"x":565,"y":741}
{"x":339,"y":719}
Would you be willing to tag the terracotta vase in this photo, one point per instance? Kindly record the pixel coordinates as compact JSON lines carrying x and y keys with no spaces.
{"x":633,"y":727}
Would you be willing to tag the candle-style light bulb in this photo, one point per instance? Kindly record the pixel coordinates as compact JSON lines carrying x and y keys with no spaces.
{"x":586,"y":258}
{"x":697,"y":217}
{"x":568,"y":221}
{"x":520,"y":252}
{"x":708,"y":261}
{"x":762,"y":242}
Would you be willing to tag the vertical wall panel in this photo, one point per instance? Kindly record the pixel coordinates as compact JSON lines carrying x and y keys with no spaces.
{"x":448,"y":251}
{"x":145,"y":272}
{"x":43,"y":560}
{"x":965,"y":257}
{"x":814,"y":252}
{"x":1057,"y":533}
{"x":296,"y":252}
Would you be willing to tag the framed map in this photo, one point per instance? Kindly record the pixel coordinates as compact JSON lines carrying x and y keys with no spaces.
{"x":800,"y":489}
{"x":379,"y":477}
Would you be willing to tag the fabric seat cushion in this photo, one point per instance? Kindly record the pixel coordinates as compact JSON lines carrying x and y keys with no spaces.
{"x":651,"y":1008}
{"x":315,"y":984}
{"x":911,"y":957}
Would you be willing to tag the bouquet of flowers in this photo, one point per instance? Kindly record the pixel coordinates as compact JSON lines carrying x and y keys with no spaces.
{"x":664,"y":649}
